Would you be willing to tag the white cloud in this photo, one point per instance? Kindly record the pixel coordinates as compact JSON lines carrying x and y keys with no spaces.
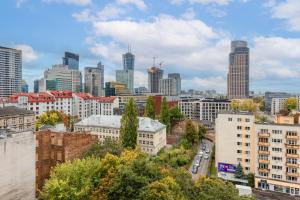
{"x":219,"y":2}
{"x":288,"y":11}
{"x":176,"y":2}
{"x":138,"y":3}
{"x":71,"y":2}
{"x":189,"y":14}
{"x":28,"y":53}
{"x":214,"y":82}
{"x":19,"y":3}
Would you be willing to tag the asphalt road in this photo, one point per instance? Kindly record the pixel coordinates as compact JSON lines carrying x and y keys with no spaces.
{"x":204,"y":164}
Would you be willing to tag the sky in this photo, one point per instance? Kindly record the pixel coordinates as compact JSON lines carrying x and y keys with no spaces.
{"x":191,"y":37}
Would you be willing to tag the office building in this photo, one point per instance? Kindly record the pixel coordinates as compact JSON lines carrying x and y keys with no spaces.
{"x":154,"y":75}
{"x":128,"y":61}
{"x":151,"y":133}
{"x":71,"y":60}
{"x":36,"y":86}
{"x":238,"y":74}
{"x":126,"y":77}
{"x":17,"y":168}
{"x":177,"y":77}
{"x":17,"y":119}
{"x":94,"y":83}
{"x":24,"y":87}
{"x":61,"y":77}
{"x":116,"y":89}
{"x":141,"y":90}
{"x":270,"y":95}
{"x":278,"y":104}
{"x":10,"y":71}
{"x":168,"y":87}
{"x":53,"y":148}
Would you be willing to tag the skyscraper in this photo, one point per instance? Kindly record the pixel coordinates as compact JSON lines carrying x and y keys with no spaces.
{"x":10,"y":71}
{"x":93,"y":77}
{"x":177,"y":77}
{"x":238,"y":75}
{"x":36,"y":86}
{"x":128,"y":61}
{"x":168,"y":86}
{"x":154,"y":75}
{"x":71,"y":60}
{"x":24,"y":87}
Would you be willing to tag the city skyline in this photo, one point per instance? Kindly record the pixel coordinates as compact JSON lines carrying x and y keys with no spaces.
{"x":191,"y":37}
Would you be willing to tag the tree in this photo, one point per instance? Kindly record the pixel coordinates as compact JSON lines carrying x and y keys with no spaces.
{"x":150,"y":108}
{"x":129,"y":125}
{"x":239,"y":172}
{"x":251,"y":178}
{"x":190,"y":132}
{"x":48,"y":118}
{"x":201,"y":132}
{"x":234,"y":104}
{"x":164,"y":114}
{"x":101,"y":148}
{"x":73,"y":180}
{"x":290,"y":104}
{"x":175,"y":115}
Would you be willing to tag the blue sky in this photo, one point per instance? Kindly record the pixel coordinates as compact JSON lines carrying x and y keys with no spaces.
{"x":191,"y":37}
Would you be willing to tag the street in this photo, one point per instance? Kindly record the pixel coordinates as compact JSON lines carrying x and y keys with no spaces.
{"x":204,"y":164}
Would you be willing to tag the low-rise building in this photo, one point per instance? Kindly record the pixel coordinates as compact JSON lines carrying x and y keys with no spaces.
{"x":58,"y":147}
{"x":278,"y":104}
{"x":16,"y":119}
{"x":17,"y":168}
{"x":151,"y":133}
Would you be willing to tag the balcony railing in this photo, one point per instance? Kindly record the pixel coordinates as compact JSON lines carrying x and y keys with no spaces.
{"x":264,"y":152}
{"x":292,"y":155}
{"x":292,"y":165}
{"x":292,"y":137}
{"x":263,"y":135}
{"x":263,"y":170}
{"x":292,"y":146}
{"x":292,"y":174}
{"x":263,"y":144}
{"x":264,"y":161}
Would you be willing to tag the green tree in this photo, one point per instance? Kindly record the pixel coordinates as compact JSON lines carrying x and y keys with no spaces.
{"x":239,"y":172}
{"x":164,"y":114}
{"x":73,"y":180}
{"x":235,"y":105}
{"x":201,"y":132}
{"x":48,"y":118}
{"x":101,"y":148}
{"x":175,"y":115}
{"x":290,"y":104}
{"x":190,"y":132}
{"x":129,"y":125}
{"x":250,"y":178}
{"x":150,"y":108}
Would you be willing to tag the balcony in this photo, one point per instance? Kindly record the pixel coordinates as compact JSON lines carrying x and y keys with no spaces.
{"x":266,"y":144}
{"x":292,"y":165}
{"x":264,"y":161}
{"x":292,"y":155}
{"x":292,"y":137}
{"x":263,"y":135}
{"x":292,"y":146}
{"x":264,"y":152}
{"x":292,"y":174}
{"x":263,"y":170}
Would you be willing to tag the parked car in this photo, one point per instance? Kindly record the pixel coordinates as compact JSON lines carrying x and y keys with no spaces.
{"x":207,"y":151}
{"x":203,"y":147}
{"x":206,"y":156}
{"x":201,"y":153}
{"x":197,"y":162}
{"x":195,"y":169}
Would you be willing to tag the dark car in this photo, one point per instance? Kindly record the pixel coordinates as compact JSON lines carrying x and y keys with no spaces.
{"x":195,"y":169}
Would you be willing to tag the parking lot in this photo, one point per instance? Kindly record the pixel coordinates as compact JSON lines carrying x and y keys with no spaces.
{"x":203,"y":163}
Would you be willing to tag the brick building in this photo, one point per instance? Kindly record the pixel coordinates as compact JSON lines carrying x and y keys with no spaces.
{"x":57,"y":147}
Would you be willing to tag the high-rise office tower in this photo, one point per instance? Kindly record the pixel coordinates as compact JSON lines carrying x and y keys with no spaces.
{"x":177,"y":77}
{"x":93,"y":77}
{"x":238,"y":75}
{"x":60,"y":77}
{"x":168,"y":87}
{"x":154,"y":75}
{"x":24,"y":87}
{"x":36,"y":86}
{"x":10,"y":71}
{"x":128,"y":61}
{"x":71,"y":60}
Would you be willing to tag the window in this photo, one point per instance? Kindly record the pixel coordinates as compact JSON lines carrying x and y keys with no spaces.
{"x":247,"y":120}
{"x":230,"y":119}
{"x":247,"y":160}
{"x":277,"y":140}
{"x":239,"y":128}
{"x":291,"y":178}
{"x":276,"y":149}
{"x":247,"y":128}
{"x":277,"y":167}
{"x":247,"y":136}
{"x":291,"y":151}
{"x":277,"y":158}
{"x":239,"y":151}
{"x":239,"y":143}
{"x":276,"y":176}
{"x":239,"y":119}
{"x":239,"y":135}
{"x":291,"y":160}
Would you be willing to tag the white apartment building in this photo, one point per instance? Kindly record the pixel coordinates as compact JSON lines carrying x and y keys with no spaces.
{"x":151,"y":133}
{"x":235,"y":138}
{"x":278,"y":104}
{"x":203,"y":109}
{"x":75,"y":104}
{"x":269,"y":150}
{"x":168,"y":87}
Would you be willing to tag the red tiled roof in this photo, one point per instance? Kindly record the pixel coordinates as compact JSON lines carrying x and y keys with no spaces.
{"x":32,"y":97}
{"x":84,"y":96}
{"x":61,"y":94}
{"x":105,"y":99}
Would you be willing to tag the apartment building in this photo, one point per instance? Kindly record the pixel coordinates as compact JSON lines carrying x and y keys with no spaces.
{"x":235,"y":143}
{"x":203,"y":109}
{"x":53,"y":148}
{"x":151,"y":133}
{"x":278,"y":104}
{"x":17,"y":168}
{"x":16,"y":119}
{"x":168,"y":87}
{"x":277,"y":155}
{"x":74,"y":104}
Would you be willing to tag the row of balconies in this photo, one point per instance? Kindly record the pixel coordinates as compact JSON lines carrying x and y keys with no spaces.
{"x":263,"y":161}
{"x":266,"y":135}
{"x":292,"y":174}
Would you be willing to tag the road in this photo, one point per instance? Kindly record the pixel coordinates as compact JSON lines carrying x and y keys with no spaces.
{"x":204,"y":164}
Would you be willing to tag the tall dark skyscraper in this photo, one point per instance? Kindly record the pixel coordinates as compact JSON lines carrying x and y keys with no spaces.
{"x":155,"y":74}
{"x":238,"y":74}
{"x":128,"y":61}
{"x":72,"y":60}
{"x":10,"y":71}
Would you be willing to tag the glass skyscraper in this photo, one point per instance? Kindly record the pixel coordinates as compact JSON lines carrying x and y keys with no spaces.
{"x":128,"y":61}
{"x":71,"y":60}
